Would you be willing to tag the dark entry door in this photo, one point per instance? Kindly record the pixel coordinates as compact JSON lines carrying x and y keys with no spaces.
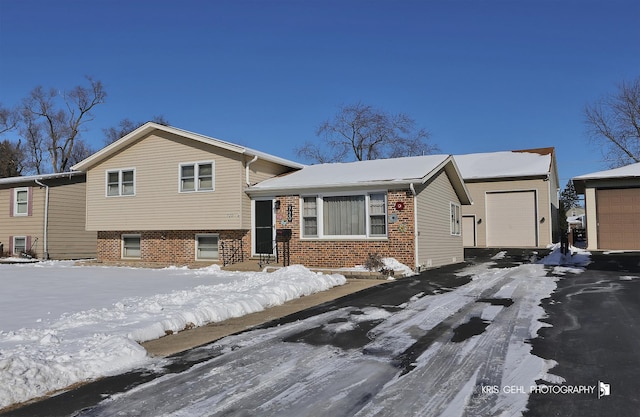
{"x":264,"y":226}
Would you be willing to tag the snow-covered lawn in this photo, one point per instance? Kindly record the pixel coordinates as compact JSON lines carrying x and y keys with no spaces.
{"x":61,"y":324}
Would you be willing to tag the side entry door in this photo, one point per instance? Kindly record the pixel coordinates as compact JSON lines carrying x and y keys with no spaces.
{"x":263,"y":227}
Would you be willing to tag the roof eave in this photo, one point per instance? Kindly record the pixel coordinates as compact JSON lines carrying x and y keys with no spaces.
{"x":151,"y":126}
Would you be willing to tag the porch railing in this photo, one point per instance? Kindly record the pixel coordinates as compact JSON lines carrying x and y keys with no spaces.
{"x":232,"y":252}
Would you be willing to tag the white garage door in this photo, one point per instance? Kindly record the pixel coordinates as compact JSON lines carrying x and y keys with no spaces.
{"x":512,"y":219}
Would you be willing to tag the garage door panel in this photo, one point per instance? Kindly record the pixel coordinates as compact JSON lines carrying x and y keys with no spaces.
{"x":511,"y":219}
{"x":618,"y":218}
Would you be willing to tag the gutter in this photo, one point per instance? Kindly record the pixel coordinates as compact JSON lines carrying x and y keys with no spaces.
{"x":416,"y":259}
{"x":246,"y":168}
{"x":46,"y":218}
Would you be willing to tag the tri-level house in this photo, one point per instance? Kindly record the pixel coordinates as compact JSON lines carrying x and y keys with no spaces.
{"x":166,"y":195}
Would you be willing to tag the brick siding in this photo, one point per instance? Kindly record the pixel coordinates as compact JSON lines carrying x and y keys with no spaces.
{"x":334,"y":253}
{"x":173,"y":247}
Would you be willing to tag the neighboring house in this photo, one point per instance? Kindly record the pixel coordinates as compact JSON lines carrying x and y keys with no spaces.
{"x":515,"y":198}
{"x":339,"y":213}
{"x":612,"y":204}
{"x":44,"y":216}
{"x":165,"y":195}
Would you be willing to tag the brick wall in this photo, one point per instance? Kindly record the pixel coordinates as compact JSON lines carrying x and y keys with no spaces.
{"x":328,"y":253}
{"x":173,"y":247}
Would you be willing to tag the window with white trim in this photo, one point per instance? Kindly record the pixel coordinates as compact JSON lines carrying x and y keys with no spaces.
{"x":121,"y":182}
{"x":21,"y":202}
{"x":346,"y":216}
{"x":19,"y":245}
{"x":456,"y":229}
{"x":196,"y":176}
{"x":309,"y":217}
{"x":131,"y":246}
{"x":206,"y":247}
{"x":377,"y":215}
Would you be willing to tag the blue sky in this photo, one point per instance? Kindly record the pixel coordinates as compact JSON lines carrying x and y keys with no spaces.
{"x":481,"y":76}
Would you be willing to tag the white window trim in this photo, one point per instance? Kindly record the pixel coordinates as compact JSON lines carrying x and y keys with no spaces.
{"x":14,"y":244}
{"x":198,"y":235}
{"x":320,"y":216}
{"x":119,"y":171}
{"x":122,"y":237}
{"x":455,"y":214}
{"x":196,"y":172}
{"x":15,"y":201}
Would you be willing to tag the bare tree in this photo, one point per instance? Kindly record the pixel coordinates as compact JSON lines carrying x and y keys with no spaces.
{"x":362,"y":132}
{"x":614,"y":123}
{"x":53,"y":122}
{"x":11,"y":159}
{"x":8,"y":119}
{"x":127,"y":126}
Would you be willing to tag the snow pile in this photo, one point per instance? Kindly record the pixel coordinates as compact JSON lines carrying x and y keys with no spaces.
{"x":399,"y":269}
{"x":69,"y":324}
{"x":575,"y":257}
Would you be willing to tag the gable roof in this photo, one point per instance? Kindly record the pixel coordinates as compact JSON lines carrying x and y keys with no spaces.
{"x":149,"y":127}
{"x":507,"y":164}
{"x":388,"y":173}
{"x":626,"y":172}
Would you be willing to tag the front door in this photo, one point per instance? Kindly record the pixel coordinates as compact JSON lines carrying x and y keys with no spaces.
{"x":263,"y":226}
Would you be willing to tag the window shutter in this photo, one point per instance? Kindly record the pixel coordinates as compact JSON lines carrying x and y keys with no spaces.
{"x":27,"y":244}
{"x":30,"y":201}
{"x":11,"y":193}
{"x":10,"y":245}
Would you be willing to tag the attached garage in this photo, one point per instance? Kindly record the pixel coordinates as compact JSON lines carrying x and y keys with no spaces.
{"x":612,"y":207}
{"x":618,"y":217}
{"x":511,"y":219}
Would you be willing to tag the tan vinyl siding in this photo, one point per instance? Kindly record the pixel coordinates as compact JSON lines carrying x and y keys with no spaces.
{"x":258,"y":171}
{"x":32,"y":226}
{"x":67,"y":236}
{"x":478,"y":191}
{"x":436,"y":245}
{"x":158,"y":204}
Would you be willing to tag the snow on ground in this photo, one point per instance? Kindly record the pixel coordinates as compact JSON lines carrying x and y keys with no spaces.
{"x":392,"y":264}
{"x":408,"y":365}
{"x":62,"y":324}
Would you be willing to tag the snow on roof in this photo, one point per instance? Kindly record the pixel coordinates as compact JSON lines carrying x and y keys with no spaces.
{"x":395,"y":170}
{"x":628,"y":171}
{"x":505,"y":164}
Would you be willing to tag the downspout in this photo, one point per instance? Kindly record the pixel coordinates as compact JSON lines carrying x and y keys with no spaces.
{"x":46,"y":218}
{"x":246,"y":173}
{"x":415,"y":226}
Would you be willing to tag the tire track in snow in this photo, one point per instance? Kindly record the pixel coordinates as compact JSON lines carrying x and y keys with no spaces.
{"x":448,"y":369}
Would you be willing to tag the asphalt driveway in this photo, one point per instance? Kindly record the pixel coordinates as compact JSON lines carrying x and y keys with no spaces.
{"x":595,"y":337}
